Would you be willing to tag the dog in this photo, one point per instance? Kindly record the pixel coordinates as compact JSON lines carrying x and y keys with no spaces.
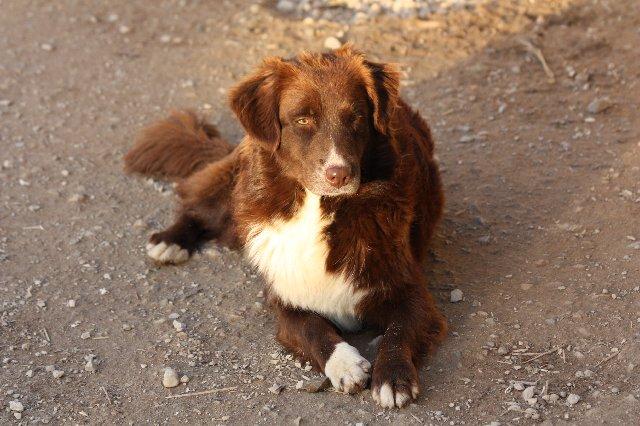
{"x":332,"y":194}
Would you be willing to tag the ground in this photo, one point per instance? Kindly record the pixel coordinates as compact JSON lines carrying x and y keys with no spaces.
{"x":540,"y":232}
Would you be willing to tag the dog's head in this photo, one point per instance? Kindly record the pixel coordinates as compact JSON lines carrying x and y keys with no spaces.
{"x":318,"y":114}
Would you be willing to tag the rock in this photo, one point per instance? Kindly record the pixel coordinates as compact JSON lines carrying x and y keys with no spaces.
{"x":456,"y":295}
{"x":285,"y":6}
{"x":528,"y":393}
{"x":184,"y":379}
{"x":170,"y":378}
{"x":276,"y":388}
{"x":179,"y":326}
{"x":599,"y":105}
{"x":57,"y":374}
{"x":332,"y":43}
{"x":86,"y":335}
{"x":573,"y":399}
{"x":503,"y":350}
{"x":315,"y":385}
{"x":16,"y":406}
{"x":90,"y":367}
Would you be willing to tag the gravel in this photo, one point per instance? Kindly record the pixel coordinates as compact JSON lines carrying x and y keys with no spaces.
{"x":363,"y":10}
{"x":573,"y":399}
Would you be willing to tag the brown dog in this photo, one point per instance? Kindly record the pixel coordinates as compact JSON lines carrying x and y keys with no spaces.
{"x":333,"y":195}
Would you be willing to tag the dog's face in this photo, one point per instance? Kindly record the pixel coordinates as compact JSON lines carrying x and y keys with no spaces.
{"x":317,"y":114}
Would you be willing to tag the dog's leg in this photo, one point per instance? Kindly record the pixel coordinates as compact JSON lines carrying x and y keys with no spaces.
{"x":315,"y":339}
{"x":176,"y":243}
{"x":408,"y":336}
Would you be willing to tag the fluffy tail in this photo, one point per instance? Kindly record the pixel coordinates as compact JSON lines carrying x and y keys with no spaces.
{"x":176,"y":147}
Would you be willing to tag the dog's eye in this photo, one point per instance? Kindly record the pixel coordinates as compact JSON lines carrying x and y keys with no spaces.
{"x":303,"y":121}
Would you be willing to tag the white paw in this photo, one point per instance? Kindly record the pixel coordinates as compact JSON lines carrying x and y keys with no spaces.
{"x":347,"y":369}
{"x":387,"y":398}
{"x":164,"y":253}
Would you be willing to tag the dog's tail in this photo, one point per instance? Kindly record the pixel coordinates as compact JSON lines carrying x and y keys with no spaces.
{"x":176,"y":147}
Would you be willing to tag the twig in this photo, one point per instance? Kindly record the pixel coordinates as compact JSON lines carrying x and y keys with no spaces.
{"x":46,"y":335}
{"x":29,"y":228}
{"x":555,"y":349}
{"x":538,"y":54}
{"x":205,"y":392}
{"x":106,"y":394}
{"x":99,"y":337}
{"x":613,"y":355}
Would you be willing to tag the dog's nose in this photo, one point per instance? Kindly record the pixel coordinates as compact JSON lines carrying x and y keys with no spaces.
{"x":338,"y":176}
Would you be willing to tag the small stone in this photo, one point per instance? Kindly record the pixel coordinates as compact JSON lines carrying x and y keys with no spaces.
{"x":528,"y":393}
{"x":90,"y":367}
{"x":127,"y":327}
{"x":71,"y":303}
{"x":599,"y":105}
{"x":179,"y":326}
{"x":456,"y":295}
{"x":123,"y":29}
{"x":29,"y":373}
{"x":573,"y":399}
{"x":57,"y":374}
{"x":170,"y":378}
{"x":86,"y":335}
{"x":285,"y":6}
{"x":184,"y":379}
{"x":16,"y":406}
{"x":315,"y":385}
{"x":77,"y":198}
{"x":276,"y":388}
{"x":503,"y":350}
{"x":332,"y":43}
{"x":18,"y":416}
{"x":47,"y":47}
{"x":165,"y":38}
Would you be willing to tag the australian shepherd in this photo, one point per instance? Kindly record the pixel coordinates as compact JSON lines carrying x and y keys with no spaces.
{"x":332,"y":195}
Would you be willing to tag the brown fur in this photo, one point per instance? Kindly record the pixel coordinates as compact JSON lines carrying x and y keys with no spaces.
{"x":379,"y":232}
{"x":176,"y":147}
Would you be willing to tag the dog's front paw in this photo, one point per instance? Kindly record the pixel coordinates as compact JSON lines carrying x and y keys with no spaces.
{"x":394,"y":384}
{"x":347,"y":369}
{"x":162,"y":252}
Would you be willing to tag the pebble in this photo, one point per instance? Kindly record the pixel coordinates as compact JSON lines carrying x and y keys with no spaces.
{"x":170,"y":378}
{"x":184,"y":379}
{"x":599,"y":105}
{"x":16,"y":406}
{"x":179,"y":326}
{"x":573,"y":399}
{"x":57,"y":374}
{"x":528,"y":393}
{"x":456,"y":295}
{"x":276,"y":388}
{"x":332,"y":43}
{"x":86,"y":335}
{"x":315,"y":385}
{"x":90,"y":367}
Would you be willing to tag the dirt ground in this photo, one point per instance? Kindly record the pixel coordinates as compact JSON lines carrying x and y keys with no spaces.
{"x":540,"y":233}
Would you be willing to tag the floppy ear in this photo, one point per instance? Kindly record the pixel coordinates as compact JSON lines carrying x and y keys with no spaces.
{"x":383,"y":88}
{"x":256,"y":101}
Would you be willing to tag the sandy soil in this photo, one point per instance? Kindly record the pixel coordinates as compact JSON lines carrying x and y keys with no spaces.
{"x":540,"y":234}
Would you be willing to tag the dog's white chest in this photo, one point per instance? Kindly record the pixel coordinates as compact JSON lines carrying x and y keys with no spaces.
{"x":292,"y":257}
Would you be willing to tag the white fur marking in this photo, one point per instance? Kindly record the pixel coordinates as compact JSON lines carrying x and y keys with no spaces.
{"x":292,"y":256}
{"x":347,"y":369}
{"x":387,"y":398}
{"x":164,"y":253}
{"x":335,"y":159}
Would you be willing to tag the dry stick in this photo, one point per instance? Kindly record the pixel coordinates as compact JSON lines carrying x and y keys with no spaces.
{"x":541,"y":355}
{"x":613,"y":355}
{"x":106,"y":394}
{"x":205,"y":392}
{"x":538,"y":54}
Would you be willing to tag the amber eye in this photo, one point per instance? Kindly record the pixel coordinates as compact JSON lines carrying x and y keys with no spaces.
{"x":303,"y":121}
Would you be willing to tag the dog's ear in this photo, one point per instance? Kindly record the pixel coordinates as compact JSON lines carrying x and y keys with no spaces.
{"x":383,"y":90}
{"x":256,"y":102}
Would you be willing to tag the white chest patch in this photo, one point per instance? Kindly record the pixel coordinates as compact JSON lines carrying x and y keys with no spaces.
{"x":292,"y":257}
